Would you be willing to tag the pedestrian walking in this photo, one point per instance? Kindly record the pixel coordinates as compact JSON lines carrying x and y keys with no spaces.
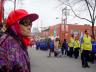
{"x":71,"y":45}
{"x":13,"y":43}
{"x":51,"y":47}
{"x":37,"y":44}
{"x":86,"y":48}
{"x":76,"y":47}
{"x":64,"y":48}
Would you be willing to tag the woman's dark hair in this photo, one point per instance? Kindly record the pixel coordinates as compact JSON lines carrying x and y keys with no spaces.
{"x":65,"y":40}
{"x":57,"y":39}
{"x":1,"y":25}
{"x":86,"y":30}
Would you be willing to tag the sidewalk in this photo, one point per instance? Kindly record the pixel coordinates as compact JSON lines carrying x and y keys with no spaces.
{"x":41,"y":63}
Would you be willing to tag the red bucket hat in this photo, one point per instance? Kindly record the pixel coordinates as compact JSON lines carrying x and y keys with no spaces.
{"x":18,"y":15}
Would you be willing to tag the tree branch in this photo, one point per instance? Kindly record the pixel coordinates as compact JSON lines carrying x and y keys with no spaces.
{"x":94,"y":10}
{"x":90,"y":5}
{"x":95,"y":16}
{"x":88,"y":9}
{"x":77,"y":15}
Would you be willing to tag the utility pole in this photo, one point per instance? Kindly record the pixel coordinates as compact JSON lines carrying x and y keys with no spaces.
{"x":14,"y":4}
{"x":41,"y":25}
{"x":65,"y":13}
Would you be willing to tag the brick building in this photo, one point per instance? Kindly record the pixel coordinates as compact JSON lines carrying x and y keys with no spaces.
{"x":64,"y":31}
{"x":45,"y":32}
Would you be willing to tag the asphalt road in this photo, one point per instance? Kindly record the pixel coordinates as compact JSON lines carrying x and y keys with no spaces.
{"x":41,"y":63}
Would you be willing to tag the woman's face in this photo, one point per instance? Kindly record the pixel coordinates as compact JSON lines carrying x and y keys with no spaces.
{"x":25,"y":27}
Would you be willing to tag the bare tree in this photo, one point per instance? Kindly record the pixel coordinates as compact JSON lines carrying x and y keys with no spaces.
{"x":88,"y":6}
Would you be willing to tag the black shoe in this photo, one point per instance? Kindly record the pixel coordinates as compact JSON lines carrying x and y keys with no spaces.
{"x":83,"y":66}
{"x":75,"y":57}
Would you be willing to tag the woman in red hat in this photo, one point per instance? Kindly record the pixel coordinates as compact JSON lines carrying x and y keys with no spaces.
{"x":13,"y":43}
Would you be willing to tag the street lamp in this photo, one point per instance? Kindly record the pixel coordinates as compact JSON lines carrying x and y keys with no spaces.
{"x":65,"y":13}
{"x":14,"y":4}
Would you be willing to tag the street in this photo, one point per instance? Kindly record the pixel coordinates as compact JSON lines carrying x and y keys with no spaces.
{"x":41,"y":63}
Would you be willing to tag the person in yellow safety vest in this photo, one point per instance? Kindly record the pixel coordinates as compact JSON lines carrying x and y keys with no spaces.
{"x":85,"y":49}
{"x":70,"y":44}
{"x":76,"y":47}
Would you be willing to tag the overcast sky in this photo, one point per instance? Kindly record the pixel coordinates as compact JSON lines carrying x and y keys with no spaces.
{"x":49,"y":13}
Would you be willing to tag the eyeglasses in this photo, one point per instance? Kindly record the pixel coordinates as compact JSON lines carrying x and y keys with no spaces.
{"x":25,"y":22}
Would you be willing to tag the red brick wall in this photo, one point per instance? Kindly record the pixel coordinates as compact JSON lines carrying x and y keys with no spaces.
{"x":51,"y":30}
{"x":68,"y":30}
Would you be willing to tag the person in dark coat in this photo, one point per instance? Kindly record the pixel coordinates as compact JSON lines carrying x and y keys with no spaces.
{"x":37,"y":44}
{"x":64,"y":47}
{"x":51,"y":47}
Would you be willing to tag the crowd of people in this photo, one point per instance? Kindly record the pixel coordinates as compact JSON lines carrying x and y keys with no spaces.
{"x":74,"y":48}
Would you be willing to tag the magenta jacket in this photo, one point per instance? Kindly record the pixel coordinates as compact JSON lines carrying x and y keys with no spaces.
{"x":13,"y":55}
